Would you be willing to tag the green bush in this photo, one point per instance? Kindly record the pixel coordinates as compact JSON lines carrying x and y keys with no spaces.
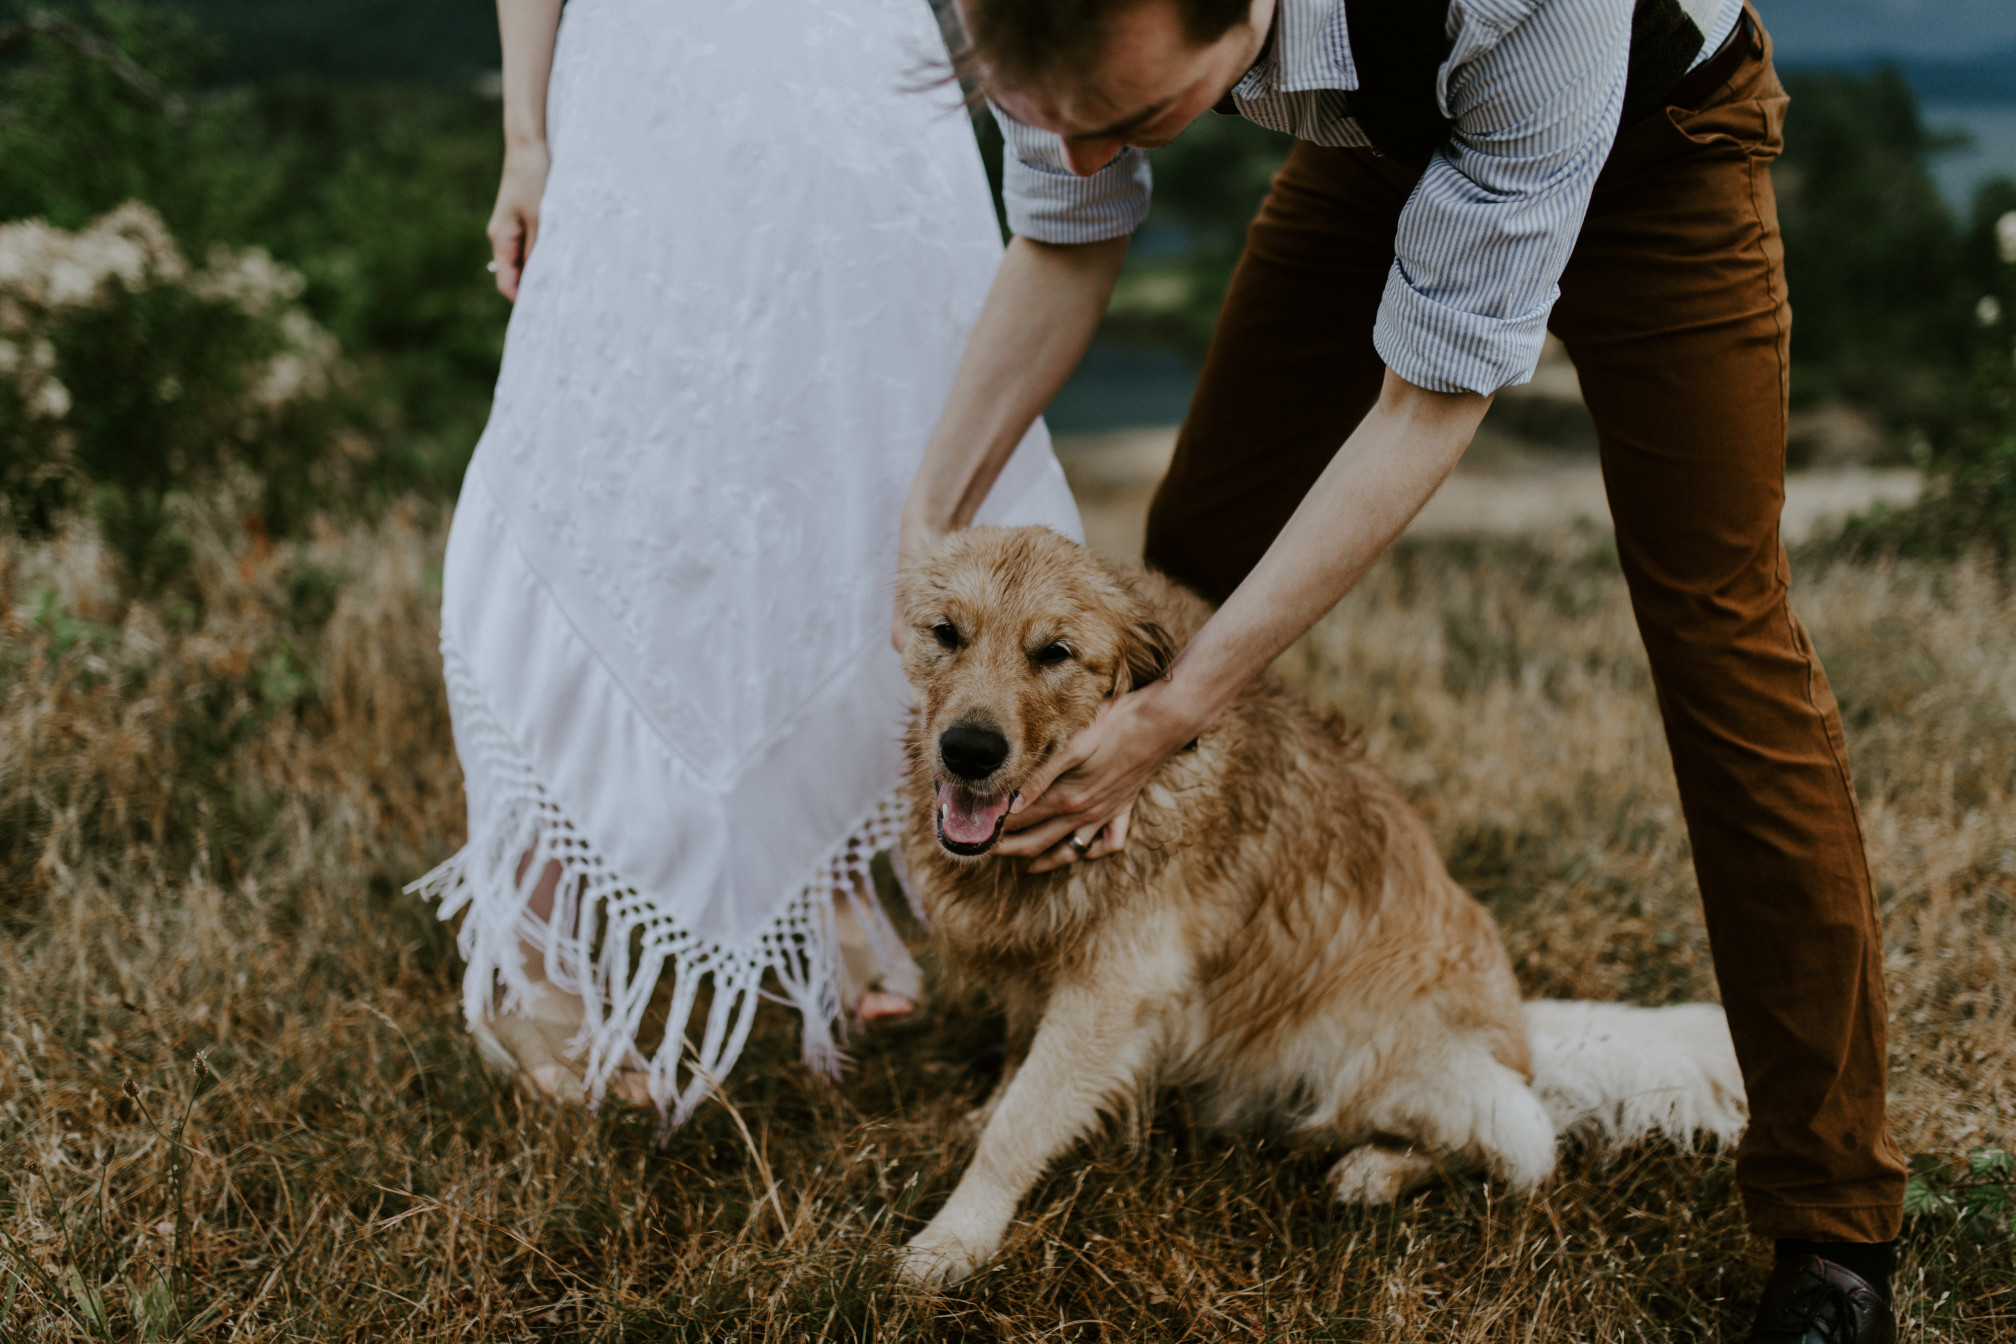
{"x":1873,"y":256}
{"x":1970,"y":492}
{"x":101,"y":109}
{"x":374,"y":197}
{"x":130,"y":376}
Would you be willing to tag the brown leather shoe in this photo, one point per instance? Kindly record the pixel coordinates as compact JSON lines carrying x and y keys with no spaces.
{"x":1813,"y":1301}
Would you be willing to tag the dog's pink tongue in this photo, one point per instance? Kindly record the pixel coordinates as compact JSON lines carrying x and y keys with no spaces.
{"x":966,"y":818}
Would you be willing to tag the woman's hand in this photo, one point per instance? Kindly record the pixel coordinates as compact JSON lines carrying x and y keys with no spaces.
{"x":514,"y":221}
{"x":1088,"y":789}
{"x":913,"y":538}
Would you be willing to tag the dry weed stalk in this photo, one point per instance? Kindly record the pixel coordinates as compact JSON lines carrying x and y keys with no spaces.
{"x":206,"y":812}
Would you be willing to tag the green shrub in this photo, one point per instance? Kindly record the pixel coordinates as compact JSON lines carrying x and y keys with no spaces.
{"x":375,"y":197}
{"x":130,"y":376}
{"x":1970,"y":492}
{"x":101,"y":109}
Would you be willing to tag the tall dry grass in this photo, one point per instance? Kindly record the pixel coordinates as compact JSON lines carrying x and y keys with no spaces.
{"x":236,"y":1101}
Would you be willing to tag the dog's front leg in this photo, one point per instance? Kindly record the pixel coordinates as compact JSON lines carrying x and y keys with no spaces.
{"x":1093,"y":1047}
{"x":1022,"y":1003}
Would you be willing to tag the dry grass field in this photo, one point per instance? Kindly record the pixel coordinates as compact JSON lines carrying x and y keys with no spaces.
{"x":236,"y":1101}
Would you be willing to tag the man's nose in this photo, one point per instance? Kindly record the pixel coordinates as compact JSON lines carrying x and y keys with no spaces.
{"x":1087,"y":157}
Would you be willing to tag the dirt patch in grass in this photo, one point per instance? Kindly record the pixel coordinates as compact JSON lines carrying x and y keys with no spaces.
{"x":236,"y":1100}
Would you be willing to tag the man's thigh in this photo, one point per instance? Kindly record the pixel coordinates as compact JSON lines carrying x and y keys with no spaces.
{"x":1291,"y":368}
{"x":1674,"y":309}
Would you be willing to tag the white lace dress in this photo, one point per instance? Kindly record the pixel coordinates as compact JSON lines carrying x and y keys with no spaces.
{"x":666,"y":597}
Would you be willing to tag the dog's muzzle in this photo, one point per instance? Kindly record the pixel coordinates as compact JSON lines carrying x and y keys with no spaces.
{"x":969,"y":823}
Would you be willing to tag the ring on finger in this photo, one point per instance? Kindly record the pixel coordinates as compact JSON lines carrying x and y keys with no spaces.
{"x":1082,"y":847}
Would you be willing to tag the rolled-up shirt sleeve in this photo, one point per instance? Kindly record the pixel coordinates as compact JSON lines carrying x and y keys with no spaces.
{"x":1483,"y":240}
{"x":1051,"y":204}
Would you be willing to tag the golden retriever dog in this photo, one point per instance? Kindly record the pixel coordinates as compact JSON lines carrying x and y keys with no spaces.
{"x":1279,"y":935}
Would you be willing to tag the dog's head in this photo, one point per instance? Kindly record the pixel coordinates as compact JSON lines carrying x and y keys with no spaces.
{"x":1016,"y":636}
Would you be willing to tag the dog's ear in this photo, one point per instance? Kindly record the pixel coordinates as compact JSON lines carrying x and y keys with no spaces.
{"x":1148,"y":650}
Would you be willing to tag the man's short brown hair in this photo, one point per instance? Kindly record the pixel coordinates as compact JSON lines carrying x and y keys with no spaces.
{"x":1017,"y":42}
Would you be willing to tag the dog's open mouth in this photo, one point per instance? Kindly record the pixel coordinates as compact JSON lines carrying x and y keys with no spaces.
{"x":969,"y":823}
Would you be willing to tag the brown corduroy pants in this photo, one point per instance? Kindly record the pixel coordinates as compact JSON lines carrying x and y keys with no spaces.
{"x":1674,"y":310}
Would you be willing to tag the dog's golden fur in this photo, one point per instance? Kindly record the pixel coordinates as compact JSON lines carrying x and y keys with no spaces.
{"x":1279,"y":933}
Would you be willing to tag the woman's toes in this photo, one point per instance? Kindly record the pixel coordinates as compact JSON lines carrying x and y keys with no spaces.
{"x":629,"y":1088}
{"x":879,"y":1005}
{"x":558,"y":1082}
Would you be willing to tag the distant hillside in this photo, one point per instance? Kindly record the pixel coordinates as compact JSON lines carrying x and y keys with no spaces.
{"x":1990,"y":79}
{"x":1826,"y":32}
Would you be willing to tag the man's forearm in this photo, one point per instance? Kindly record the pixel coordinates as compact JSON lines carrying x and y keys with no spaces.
{"x":1040,"y":315}
{"x":1380,"y":478}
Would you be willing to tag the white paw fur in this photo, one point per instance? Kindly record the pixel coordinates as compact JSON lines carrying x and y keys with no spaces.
{"x":940,"y":1256}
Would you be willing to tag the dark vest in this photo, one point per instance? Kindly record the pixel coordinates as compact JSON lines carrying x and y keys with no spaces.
{"x":1398,"y":45}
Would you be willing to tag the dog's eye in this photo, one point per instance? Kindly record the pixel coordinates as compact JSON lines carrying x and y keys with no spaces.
{"x":946,"y":634}
{"x":1050,"y":654}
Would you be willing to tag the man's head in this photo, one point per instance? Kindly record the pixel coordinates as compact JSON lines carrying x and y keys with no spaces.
{"x":1105,"y":74}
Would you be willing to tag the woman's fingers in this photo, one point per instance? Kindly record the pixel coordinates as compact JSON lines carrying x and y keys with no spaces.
{"x":1039,"y":839}
{"x":1112,"y":837}
{"x":1057,"y":856}
{"x":506,"y":255}
{"x":1020,"y":813}
{"x":1086,"y":842}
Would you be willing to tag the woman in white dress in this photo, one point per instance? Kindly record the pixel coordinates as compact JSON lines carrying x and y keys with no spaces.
{"x":746,"y":280}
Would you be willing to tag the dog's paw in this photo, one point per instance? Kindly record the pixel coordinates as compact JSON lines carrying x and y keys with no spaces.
{"x":1375,"y":1175}
{"x":937,"y":1257}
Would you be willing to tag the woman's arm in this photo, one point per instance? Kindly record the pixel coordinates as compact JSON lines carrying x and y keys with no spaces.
{"x":1378,"y":481}
{"x":527,"y":29}
{"x":1045,"y":304}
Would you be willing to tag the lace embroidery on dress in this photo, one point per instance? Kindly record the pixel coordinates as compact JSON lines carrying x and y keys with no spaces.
{"x":611,"y":944}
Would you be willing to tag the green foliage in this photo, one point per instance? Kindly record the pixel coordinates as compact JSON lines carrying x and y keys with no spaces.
{"x":1976,"y":1195}
{"x":99,"y":111}
{"x":375,"y":196}
{"x":131,"y":377}
{"x":1208,"y":186}
{"x":394,"y":256}
{"x":1970,"y":492}
{"x":1873,"y":256}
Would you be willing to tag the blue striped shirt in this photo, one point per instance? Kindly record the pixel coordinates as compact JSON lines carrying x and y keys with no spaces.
{"x":1533,"y":90}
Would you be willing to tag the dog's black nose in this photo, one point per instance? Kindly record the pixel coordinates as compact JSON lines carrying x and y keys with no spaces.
{"x":972,"y":753}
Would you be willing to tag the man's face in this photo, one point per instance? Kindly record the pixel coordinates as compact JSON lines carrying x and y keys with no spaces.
{"x":1147,"y":84}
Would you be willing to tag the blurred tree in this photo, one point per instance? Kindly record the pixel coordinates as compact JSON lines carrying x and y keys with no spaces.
{"x":94,"y":112}
{"x":375,"y":194}
{"x":1970,"y":492}
{"x":1873,"y":256}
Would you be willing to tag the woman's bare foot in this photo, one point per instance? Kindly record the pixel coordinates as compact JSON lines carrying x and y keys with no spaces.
{"x":530,"y":1047}
{"x":869,"y":988}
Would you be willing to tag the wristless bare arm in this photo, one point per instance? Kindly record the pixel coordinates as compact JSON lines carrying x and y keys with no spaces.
{"x":527,"y":29}
{"x":1046,"y":302}
{"x":1379,"y":479}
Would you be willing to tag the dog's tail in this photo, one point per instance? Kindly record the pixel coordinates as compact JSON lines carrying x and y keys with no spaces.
{"x":1611,"y":1074}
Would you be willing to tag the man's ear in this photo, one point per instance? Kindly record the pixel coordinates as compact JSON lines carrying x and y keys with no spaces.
{"x":1147,"y":652}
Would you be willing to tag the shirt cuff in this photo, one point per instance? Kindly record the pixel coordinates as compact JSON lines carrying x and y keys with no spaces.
{"x":1445,"y":349}
{"x":1057,"y":207}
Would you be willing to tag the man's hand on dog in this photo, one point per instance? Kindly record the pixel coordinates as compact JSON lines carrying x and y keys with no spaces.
{"x":1087,"y":790}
